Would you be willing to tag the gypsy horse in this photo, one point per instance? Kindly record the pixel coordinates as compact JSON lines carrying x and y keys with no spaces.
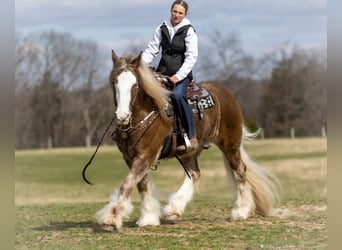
{"x":141,"y":128}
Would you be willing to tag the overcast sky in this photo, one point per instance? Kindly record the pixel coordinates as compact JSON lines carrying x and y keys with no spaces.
{"x":262,"y":25}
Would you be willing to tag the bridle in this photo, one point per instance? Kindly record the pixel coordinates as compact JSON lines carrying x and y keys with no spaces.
{"x":124,"y":130}
{"x":145,"y":123}
{"x":142,"y":125}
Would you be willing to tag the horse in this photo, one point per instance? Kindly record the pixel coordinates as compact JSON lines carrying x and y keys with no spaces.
{"x":141,"y":128}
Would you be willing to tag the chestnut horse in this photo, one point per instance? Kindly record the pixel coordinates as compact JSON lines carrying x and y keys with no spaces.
{"x":141,"y":128}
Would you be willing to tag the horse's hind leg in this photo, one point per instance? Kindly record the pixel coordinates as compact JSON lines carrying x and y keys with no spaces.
{"x":149,"y":206}
{"x":236,"y":169}
{"x":177,"y":201}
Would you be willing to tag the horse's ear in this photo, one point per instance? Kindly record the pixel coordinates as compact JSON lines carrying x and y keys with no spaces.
{"x":136,"y":61}
{"x":115,"y":58}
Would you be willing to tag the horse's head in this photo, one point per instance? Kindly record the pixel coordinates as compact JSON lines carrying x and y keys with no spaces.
{"x":123,"y":79}
{"x":127,"y":73}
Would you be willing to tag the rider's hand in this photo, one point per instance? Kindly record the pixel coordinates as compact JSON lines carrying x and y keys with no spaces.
{"x":173,"y":79}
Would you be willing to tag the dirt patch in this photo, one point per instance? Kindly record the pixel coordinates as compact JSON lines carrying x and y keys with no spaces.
{"x":301,"y":211}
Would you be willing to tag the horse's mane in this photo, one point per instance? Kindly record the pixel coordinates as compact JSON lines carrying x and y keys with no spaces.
{"x":152,"y":87}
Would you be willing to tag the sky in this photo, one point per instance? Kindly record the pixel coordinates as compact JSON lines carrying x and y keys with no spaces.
{"x":262,"y":25}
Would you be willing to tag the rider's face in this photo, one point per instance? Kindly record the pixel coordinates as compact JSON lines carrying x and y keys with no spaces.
{"x":178,"y":13}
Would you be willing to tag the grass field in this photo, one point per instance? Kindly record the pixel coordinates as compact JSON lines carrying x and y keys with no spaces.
{"x":55,"y":208}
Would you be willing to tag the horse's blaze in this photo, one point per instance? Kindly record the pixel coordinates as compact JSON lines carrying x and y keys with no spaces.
{"x":125,"y":82}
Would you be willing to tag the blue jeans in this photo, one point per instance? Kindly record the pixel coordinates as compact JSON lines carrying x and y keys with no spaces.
{"x":182,"y":107}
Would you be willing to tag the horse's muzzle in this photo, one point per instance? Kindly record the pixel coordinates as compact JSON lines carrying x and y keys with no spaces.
{"x":123,"y":120}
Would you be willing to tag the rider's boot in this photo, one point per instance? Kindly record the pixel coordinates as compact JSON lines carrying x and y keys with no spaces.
{"x":187,"y":147}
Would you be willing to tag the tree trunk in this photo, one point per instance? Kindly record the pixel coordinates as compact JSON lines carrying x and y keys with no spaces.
{"x":88,"y":129}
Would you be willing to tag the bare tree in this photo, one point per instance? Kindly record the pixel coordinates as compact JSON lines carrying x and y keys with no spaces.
{"x":295,"y":96}
{"x":26,"y":65}
{"x":67,"y":74}
{"x":225,"y":61}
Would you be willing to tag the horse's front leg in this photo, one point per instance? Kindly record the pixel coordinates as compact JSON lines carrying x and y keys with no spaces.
{"x":120,"y":206}
{"x":149,"y":206}
{"x":178,"y":201}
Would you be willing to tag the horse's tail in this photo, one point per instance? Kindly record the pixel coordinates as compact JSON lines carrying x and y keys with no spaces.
{"x":265,"y":186}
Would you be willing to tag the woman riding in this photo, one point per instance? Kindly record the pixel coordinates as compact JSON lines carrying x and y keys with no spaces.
{"x":177,"y":40}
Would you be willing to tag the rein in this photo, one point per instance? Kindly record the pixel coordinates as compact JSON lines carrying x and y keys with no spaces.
{"x":97,"y":148}
{"x":124,"y":134}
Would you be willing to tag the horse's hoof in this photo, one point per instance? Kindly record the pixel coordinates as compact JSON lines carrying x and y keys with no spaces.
{"x":150,"y":222}
{"x":239,"y":214}
{"x":173,"y":216}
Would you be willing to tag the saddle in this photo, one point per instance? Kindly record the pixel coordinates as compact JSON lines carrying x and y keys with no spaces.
{"x":198,"y":97}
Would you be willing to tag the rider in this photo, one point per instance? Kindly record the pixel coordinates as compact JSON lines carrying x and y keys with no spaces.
{"x":177,"y":40}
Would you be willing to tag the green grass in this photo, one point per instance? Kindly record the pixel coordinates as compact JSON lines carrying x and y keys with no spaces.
{"x":55,"y":208}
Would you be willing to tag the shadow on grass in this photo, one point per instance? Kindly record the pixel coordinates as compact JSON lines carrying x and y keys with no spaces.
{"x":66,"y":225}
{"x":92,"y":226}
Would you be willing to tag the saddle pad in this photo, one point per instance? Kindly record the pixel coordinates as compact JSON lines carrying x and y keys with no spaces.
{"x":202,"y":103}
{"x":196,"y":91}
{"x":196,"y":105}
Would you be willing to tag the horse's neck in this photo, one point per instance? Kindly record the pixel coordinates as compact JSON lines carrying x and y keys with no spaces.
{"x":143,"y":105}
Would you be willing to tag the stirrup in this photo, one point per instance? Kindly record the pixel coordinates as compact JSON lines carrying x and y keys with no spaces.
{"x":187,"y":141}
{"x":186,"y":146}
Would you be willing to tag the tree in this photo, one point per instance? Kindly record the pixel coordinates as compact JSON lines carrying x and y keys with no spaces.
{"x":57,"y":78}
{"x":295,"y":96}
{"x":46,"y":106}
{"x":227,"y":63}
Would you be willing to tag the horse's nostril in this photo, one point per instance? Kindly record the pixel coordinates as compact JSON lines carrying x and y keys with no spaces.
{"x":123,"y":122}
{"x":123,"y":119}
